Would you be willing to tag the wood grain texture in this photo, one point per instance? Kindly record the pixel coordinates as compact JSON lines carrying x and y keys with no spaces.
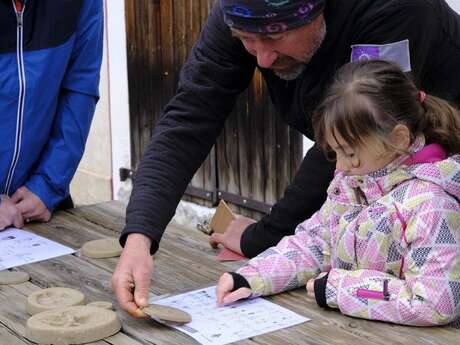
{"x":184,"y":262}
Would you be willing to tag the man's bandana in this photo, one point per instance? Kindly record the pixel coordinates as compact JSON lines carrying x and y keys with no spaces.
{"x":270,"y":16}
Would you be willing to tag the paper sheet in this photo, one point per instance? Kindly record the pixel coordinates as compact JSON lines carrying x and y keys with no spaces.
{"x":215,"y":325}
{"x":19,"y":247}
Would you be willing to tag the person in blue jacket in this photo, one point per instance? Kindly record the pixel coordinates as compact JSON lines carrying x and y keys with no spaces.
{"x":50,"y":58}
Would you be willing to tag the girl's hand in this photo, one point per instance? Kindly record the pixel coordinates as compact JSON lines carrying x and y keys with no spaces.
{"x":224,"y":291}
{"x":9,"y":214}
{"x":311,"y":285}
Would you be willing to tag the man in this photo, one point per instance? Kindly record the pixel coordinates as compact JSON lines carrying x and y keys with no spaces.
{"x":297,"y":45}
{"x":50,"y":57}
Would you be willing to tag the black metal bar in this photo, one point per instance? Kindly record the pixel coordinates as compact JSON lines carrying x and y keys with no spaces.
{"x":244,"y":202}
{"x":200,"y":193}
{"x":126,"y":173}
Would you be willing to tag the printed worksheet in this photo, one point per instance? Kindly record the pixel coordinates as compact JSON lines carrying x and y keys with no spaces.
{"x":217,"y":325}
{"x":19,"y":247}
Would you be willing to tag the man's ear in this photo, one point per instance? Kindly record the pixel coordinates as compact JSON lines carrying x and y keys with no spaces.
{"x":400,"y":137}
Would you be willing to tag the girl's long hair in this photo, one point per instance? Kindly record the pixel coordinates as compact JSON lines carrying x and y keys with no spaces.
{"x":369,"y":98}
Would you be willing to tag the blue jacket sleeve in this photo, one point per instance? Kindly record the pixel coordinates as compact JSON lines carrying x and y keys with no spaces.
{"x":76,"y":104}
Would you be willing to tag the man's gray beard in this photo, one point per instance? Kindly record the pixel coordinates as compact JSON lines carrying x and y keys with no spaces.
{"x":296,"y":71}
{"x":292,"y":74}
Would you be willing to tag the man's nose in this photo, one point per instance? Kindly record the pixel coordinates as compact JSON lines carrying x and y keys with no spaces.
{"x":266,"y":56}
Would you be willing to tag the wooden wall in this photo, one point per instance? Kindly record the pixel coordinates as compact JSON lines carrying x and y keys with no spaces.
{"x":256,"y":156}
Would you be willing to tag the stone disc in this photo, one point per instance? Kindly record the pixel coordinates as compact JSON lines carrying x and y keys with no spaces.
{"x":165,"y":313}
{"x":72,"y":325}
{"x":53,"y":298}
{"x":13,"y":277}
{"x":101,"y":249}
{"x":101,"y":304}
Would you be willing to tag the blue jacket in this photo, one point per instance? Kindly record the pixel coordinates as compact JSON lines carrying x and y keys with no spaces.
{"x":50,"y":57}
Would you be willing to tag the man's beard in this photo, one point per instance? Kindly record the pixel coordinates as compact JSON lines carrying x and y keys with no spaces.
{"x":292,"y":73}
{"x":296,"y":70}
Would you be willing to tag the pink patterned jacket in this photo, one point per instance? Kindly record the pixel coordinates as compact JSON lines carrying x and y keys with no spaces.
{"x":390,"y":241}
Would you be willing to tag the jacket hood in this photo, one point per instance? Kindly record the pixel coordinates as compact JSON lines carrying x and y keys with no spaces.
{"x":444,"y":173}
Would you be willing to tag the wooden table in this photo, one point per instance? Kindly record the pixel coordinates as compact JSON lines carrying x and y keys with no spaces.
{"x":184,"y":262}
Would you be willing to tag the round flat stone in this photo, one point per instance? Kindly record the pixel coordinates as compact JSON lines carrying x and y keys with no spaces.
{"x":103,"y":248}
{"x":13,"y":277}
{"x":101,"y":304}
{"x":165,"y":313}
{"x":53,"y":298}
{"x":72,"y":325}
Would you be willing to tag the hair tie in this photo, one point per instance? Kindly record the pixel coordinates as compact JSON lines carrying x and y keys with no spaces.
{"x":421,"y":96}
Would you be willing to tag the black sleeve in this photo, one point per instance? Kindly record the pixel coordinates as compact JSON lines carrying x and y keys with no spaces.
{"x":301,"y":199}
{"x":320,"y":291}
{"x":216,"y":72}
{"x":239,"y":281}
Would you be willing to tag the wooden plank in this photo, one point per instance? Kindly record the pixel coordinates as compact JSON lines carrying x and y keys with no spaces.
{"x":7,"y":337}
{"x":244,"y":174}
{"x":270,"y":152}
{"x":256,"y":105}
{"x":167,"y":51}
{"x":108,"y":216}
{"x":121,"y":338}
{"x":132,"y":79}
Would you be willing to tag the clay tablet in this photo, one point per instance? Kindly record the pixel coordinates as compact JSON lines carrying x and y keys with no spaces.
{"x":13,"y":277}
{"x":103,"y":248}
{"x":72,"y":325}
{"x":164,"y":313}
{"x":101,"y":304}
{"x":53,"y":298}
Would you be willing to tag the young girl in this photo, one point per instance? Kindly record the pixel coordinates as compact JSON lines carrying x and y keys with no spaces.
{"x":387,"y":238}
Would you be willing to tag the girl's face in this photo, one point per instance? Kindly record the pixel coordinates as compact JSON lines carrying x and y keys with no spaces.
{"x":360,"y":160}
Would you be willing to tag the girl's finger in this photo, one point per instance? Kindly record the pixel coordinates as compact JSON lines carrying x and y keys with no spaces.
{"x":224,"y":286}
{"x":237,"y":295}
{"x":310,"y":287}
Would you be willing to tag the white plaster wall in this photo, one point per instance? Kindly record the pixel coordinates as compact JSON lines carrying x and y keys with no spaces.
{"x":93,"y":180}
{"x":108,"y":146}
{"x":119,"y":98}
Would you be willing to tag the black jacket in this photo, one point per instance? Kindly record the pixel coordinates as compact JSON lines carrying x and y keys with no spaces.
{"x":219,"y":68}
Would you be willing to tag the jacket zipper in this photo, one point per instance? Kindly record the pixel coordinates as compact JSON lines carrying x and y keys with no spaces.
{"x":19,"y":10}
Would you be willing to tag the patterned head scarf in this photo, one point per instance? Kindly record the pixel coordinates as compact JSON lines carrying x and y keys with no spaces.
{"x":270,"y":16}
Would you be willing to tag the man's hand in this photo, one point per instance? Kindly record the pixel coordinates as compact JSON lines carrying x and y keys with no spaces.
{"x":232,"y":237}
{"x":311,"y":285}
{"x":224,"y":288}
{"x":131,"y":279}
{"x":9,"y":214}
{"x":30,"y":205}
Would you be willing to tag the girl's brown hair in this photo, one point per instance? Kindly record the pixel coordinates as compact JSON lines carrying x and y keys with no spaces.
{"x":370,"y":98}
